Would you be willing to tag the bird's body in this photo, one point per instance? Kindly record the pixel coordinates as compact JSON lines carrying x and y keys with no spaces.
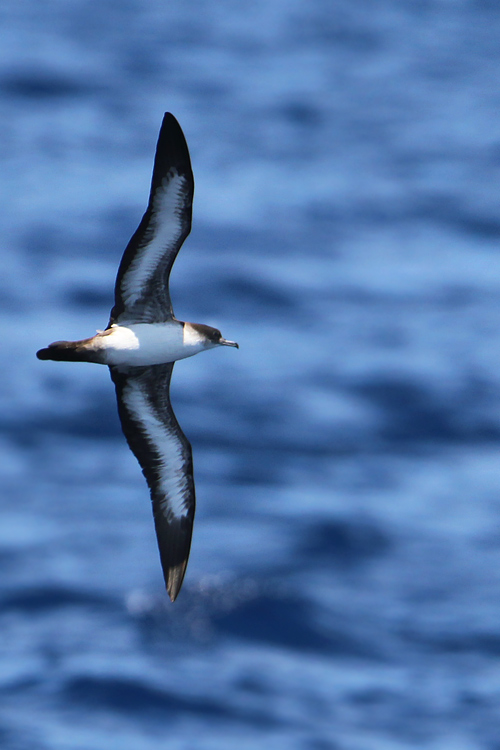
{"x":142,"y":341}
{"x":137,"y":344}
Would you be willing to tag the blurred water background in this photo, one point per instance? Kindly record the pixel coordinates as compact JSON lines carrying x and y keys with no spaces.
{"x":343,"y":591}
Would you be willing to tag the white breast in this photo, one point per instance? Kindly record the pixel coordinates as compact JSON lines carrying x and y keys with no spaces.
{"x":149,"y":344}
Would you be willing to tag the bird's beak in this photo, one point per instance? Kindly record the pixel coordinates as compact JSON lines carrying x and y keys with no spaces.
{"x":225,"y":342}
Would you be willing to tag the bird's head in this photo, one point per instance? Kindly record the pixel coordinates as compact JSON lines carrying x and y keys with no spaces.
{"x":207,"y":335}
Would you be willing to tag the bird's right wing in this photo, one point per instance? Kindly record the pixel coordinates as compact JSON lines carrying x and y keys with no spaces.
{"x":165,"y":456}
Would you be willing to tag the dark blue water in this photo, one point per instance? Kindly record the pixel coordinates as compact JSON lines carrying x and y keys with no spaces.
{"x":343,"y":591}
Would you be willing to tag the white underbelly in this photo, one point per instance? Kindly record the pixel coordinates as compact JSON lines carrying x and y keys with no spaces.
{"x":146,"y":344}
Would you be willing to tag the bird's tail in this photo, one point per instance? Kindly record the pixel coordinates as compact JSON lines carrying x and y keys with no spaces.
{"x":71,"y":351}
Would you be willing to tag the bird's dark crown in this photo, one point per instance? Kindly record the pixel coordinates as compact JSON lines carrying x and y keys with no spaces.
{"x":211,"y":334}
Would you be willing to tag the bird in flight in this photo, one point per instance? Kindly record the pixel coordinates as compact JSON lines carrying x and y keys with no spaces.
{"x":142,"y":341}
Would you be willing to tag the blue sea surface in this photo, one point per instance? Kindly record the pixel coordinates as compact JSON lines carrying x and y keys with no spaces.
{"x":343,"y":591}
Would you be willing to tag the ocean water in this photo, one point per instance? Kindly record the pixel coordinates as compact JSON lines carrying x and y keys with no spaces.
{"x":343,"y":591}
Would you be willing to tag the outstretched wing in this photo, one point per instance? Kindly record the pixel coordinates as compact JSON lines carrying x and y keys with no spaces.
{"x":164,"y":453}
{"x":141,"y":289}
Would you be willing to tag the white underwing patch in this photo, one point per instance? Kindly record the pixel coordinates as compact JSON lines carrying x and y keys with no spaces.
{"x":166,"y":226}
{"x":171,"y":467}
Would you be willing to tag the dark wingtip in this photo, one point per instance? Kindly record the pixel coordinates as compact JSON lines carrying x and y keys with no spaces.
{"x":174,"y":579}
{"x":171,"y":152}
{"x":174,"y":543}
{"x":42,"y":354}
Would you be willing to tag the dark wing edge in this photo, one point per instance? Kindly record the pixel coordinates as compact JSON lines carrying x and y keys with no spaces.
{"x":171,"y":160}
{"x":164,"y":454}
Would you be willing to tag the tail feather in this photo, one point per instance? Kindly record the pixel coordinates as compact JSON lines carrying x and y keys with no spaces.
{"x":69,"y":351}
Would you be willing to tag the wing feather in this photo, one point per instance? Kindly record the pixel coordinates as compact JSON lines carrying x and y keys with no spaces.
{"x":141,"y":288}
{"x":164,"y":453}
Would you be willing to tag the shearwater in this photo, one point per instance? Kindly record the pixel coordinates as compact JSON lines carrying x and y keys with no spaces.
{"x":142,"y":341}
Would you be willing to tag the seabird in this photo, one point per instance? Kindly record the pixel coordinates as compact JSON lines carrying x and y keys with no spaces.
{"x":142,"y":341}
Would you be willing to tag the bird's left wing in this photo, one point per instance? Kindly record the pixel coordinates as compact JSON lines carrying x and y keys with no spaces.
{"x":164,"y":453}
{"x":141,"y":288}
